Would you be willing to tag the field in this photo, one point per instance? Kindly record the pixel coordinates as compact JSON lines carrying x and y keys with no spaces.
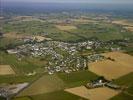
{"x":6,"y":70}
{"x":46,"y":84}
{"x":51,"y":83}
{"x":130,"y":28}
{"x":109,"y":69}
{"x":77,"y":78}
{"x":126,"y":24}
{"x":58,"y":95}
{"x":79,"y":29}
{"x":93,"y":94}
{"x":9,"y":79}
{"x":125,"y":81}
{"x":121,"y":58}
{"x":83,"y":21}
{"x":25,"y":66}
{"x":123,"y":22}
{"x":65,"y":27}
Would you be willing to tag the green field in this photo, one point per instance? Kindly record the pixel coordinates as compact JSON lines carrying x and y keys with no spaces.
{"x":45,"y":84}
{"x":10,"y":79}
{"x":126,"y":81}
{"x":77,"y":78}
{"x":101,"y":30}
{"x":58,"y":82}
{"x":58,"y":95}
{"x":122,"y":96}
{"x":24,"y":66}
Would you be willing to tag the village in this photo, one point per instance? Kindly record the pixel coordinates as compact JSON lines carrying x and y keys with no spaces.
{"x":62,"y":56}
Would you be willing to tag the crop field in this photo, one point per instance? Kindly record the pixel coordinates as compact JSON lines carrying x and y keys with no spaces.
{"x":46,"y":84}
{"x":83,"y":21}
{"x":130,"y":28}
{"x":57,"y":95}
{"x":109,"y":69}
{"x":121,"y":58}
{"x":93,"y":94}
{"x":80,"y":29}
{"x":123,"y":22}
{"x":102,"y":31}
{"x":126,"y":24}
{"x":77,"y":78}
{"x":125,"y":81}
{"x":65,"y":27}
{"x":6,"y":70}
{"x":13,"y":35}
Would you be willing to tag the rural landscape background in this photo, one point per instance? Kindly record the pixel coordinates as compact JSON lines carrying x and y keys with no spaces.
{"x":66,"y":50}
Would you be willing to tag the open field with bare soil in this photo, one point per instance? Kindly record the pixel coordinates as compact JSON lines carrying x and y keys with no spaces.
{"x":13,"y":35}
{"x":123,"y":22}
{"x":6,"y":70}
{"x":66,"y":27}
{"x":45,"y":84}
{"x":109,"y":69}
{"x":93,"y":94}
{"x":83,"y":21}
{"x":130,"y":28}
{"x":122,"y":58}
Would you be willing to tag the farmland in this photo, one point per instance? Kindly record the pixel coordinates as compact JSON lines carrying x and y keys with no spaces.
{"x":58,"y":95}
{"x":65,"y":27}
{"x":58,"y":53}
{"x":93,"y":94}
{"x":77,"y":29}
{"x":6,"y":70}
{"x":127,"y":82}
{"x":121,"y":58}
{"x":46,"y":84}
{"x":58,"y":82}
{"x":105,"y":68}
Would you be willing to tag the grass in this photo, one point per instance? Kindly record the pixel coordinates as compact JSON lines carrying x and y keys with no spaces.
{"x":8,"y":43}
{"x":17,"y":79}
{"x":24,"y":66}
{"x":126,"y":80}
{"x":58,"y":95}
{"x":22,"y":98}
{"x":45,"y":84}
{"x":77,"y":78}
{"x":122,"y":96}
{"x":102,"y":30}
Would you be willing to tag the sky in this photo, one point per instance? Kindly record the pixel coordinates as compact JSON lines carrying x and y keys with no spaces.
{"x":76,"y":1}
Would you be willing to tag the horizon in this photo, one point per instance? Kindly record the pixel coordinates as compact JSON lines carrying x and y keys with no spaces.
{"x":72,"y":1}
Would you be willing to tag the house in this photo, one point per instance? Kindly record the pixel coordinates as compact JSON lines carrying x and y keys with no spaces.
{"x":12,"y":51}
